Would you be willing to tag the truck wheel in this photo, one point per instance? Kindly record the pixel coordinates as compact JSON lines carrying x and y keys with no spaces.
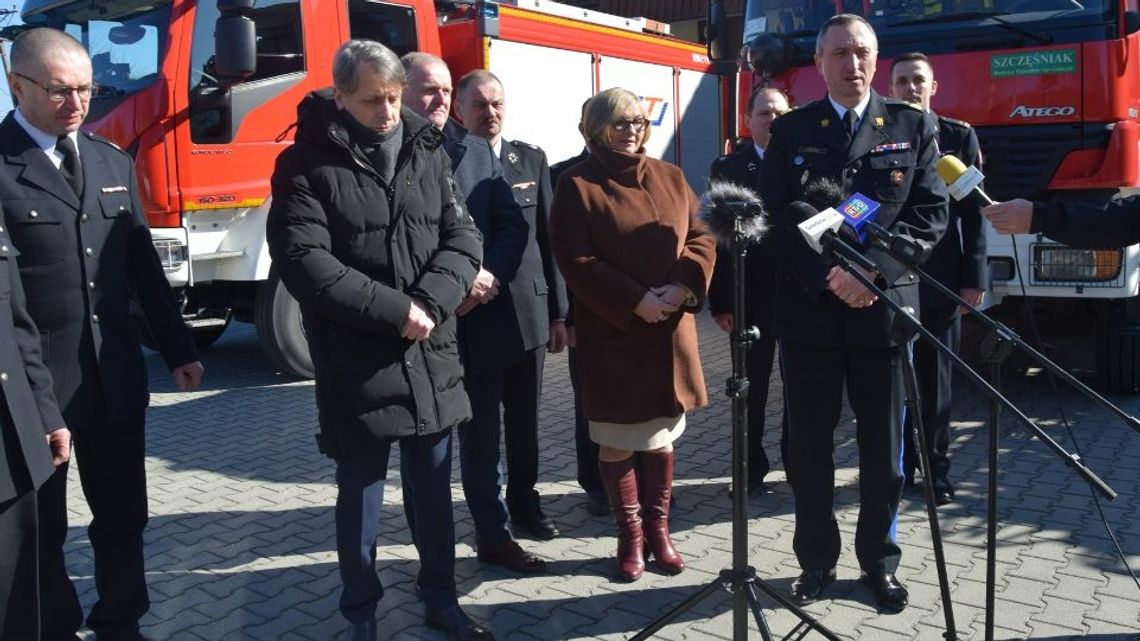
{"x":279,"y":328}
{"x":1118,"y":346}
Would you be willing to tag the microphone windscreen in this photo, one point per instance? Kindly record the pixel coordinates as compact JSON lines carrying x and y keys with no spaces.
{"x":823,"y":193}
{"x":950,"y":169}
{"x":799,"y":211}
{"x":726,"y":202}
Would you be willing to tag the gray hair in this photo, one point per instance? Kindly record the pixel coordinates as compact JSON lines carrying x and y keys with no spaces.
{"x":839,"y":20}
{"x":412,"y":59}
{"x":354,"y":53}
{"x":32,"y":47}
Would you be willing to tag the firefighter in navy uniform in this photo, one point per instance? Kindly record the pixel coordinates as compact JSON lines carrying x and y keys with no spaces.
{"x":959,"y":263}
{"x":535,"y":320}
{"x":833,"y":332}
{"x":743,"y":168}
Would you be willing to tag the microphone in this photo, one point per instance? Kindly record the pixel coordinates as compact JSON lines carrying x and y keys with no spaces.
{"x":964,"y":183}
{"x":824,"y":232}
{"x":733,"y":212}
{"x":859,"y":214}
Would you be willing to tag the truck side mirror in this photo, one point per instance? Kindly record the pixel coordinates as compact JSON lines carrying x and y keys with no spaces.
{"x":714,"y":30}
{"x":1131,"y":22}
{"x":235,"y":42}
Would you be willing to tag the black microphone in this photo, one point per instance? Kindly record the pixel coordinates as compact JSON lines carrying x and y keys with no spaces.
{"x":725,"y":205}
{"x":963,"y":183}
{"x":825,"y":233}
{"x":909,"y":250}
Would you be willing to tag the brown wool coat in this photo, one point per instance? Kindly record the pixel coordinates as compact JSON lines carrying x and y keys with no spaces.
{"x":619,"y":224}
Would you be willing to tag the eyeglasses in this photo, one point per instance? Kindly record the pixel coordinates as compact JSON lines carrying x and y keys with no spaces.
{"x":60,"y":93}
{"x":636,"y":125}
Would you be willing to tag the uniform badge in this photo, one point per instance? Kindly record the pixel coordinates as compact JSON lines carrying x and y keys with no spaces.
{"x":798,"y":160}
{"x":751,"y":166}
{"x":879,"y":122}
{"x":896,"y":177}
{"x":825,"y":123}
{"x":512,"y":157}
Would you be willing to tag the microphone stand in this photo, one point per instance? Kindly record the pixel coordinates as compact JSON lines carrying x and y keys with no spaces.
{"x":996,"y":347}
{"x":844,"y":257}
{"x":741,"y":579}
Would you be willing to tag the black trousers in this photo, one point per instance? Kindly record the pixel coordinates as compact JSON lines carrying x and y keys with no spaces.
{"x":935,"y":372}
{"x":19,"y":595}
{"x":758,"y":362}
{"x":814,"y":379}
{"x":589,"y":478}
{"x":522,"y":389}
{"x":112,"y":472}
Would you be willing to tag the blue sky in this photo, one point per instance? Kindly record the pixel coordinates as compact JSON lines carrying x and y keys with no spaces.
{"x":5,"y":99}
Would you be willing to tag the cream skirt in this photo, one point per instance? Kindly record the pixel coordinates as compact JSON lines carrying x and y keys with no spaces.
{"x":653,"y":434}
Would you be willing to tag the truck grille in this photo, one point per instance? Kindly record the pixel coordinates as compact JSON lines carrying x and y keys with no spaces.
{"x":1020,"y":161}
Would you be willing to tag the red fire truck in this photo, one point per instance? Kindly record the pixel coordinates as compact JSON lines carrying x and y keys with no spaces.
{"x":204,"y":94}
{"x":1052,"y":88}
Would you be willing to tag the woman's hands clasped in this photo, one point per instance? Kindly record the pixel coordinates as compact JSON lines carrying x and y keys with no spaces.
{"x":659,"y":303}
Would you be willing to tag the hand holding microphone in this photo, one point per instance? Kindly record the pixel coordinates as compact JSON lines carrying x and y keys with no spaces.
{"x":964,"y":183}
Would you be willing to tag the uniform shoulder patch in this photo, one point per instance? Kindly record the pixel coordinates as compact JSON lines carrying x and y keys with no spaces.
{"x":97,"y":138}
{"x":955,"y":121}
{"x":894,"y":102}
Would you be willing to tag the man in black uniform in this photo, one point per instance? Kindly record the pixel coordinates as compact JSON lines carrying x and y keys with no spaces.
{"x":28,"y":412}
{"x":958,"y":261}
{"x":743,"y":168}
{"x":833,"y":332}
{"x":535,"y":320}
{"x":72,"y":205}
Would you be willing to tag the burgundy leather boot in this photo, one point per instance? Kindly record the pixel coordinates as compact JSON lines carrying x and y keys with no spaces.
{"x":655,"y":479}
{"x":620,"y":481}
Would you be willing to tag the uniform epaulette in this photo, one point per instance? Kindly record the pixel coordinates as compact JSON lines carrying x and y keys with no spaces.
{"x":527,"y":145}
{"x":955,"y":121}
{"x":901,"y":103}
{"x":98,"y":138}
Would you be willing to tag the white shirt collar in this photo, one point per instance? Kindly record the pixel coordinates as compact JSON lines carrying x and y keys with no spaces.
{"x":859,"y":109}
{"x":498,"y":147}
{"x":759,"y":151}
{"x":44,"y":140}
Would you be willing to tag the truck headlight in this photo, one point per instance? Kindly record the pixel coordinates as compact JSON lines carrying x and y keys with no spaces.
{"x":1057,"y":263}
{"x":171,"y":252}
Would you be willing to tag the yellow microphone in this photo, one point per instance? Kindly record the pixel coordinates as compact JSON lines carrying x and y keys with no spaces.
{"x":964,"y":183}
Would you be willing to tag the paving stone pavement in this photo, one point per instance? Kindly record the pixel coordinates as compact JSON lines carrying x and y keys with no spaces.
{"x":240,"y":541}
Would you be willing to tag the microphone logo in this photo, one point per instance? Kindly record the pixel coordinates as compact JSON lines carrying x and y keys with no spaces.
{"x":857,"y":211}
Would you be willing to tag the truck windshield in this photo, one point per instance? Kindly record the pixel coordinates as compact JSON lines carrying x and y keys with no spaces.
{"x":804,"y":17}
{"x":124,"y":37}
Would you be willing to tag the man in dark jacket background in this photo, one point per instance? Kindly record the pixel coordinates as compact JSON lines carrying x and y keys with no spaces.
{"x":367,"y":233}
{"x":483,"y":313}
{"x":743,"y":168}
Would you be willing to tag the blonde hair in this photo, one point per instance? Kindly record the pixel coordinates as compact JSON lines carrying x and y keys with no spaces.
{"x":604,"y":108}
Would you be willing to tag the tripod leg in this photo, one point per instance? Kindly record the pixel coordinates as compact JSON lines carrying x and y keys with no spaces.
{"x":753,"y":597}
{"x":914,"y":407}
{"x":683,"y":607}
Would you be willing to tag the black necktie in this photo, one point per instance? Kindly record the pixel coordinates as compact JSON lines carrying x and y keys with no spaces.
{"x":849,"y":124}
{"x":70,"y":168}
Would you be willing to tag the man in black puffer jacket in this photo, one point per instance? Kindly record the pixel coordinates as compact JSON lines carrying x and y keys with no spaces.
{"x":366,"y":232}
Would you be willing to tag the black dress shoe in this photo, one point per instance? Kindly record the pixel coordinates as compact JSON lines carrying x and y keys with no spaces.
{"x":943,"y":491}
{"x":362,"y":631}
{"x":510,"y":555}
{"x":535,"y":524}
{"x":810,"y":584}
{"x":597,"y":503}
{"x":889,"y":592}
{"x":457,"y":625}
